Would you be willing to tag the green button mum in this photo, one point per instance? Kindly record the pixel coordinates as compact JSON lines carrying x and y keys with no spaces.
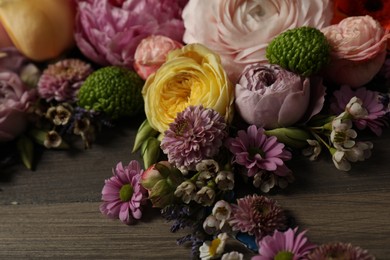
{"x":115,"y":91}
{"x":303,"y":50}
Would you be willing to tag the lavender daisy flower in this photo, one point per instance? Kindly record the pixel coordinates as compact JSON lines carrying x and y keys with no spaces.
{"x":339,"y":250}
{"x":371,"y":101}
{"x":256,"y":151}
{"x":257,"y":215}
{"x":61,"y":81}
{"x":196,"y":134}
{"x":284,"y":245}
{"x":123,"y":193}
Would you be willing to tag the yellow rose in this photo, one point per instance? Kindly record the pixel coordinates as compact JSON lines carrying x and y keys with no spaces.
{"x":192,"y":75}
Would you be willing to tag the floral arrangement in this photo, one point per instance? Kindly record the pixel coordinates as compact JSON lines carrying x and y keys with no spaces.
{"x":232,"y":90}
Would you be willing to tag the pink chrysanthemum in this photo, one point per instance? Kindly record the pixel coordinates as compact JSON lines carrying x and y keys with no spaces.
{"x":257,"y":215}
{"x":339,"y":250}
{"x":371,"y":102}
{"x":284,"y":245}
{"x":62,"y":80}
{"x":196,"y":134}
{"x":123,"y":193}
{"x":256,"y":151}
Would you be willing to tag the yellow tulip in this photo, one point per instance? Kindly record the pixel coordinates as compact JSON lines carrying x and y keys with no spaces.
{"x":192,"y":75}
{"x":40,"y":29}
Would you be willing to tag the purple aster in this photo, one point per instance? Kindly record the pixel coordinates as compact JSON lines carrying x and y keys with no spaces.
{"x":257,"y":215}
{"x":196,"y":134}
{"x":338,"y":250}
{"x":257,"y":151}
{"x":284,"y":245}
{"x":61,"y":81}
{"x":123,"y":193}
{"x":371,"y":102}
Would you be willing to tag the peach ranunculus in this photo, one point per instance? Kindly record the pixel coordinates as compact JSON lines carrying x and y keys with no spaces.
{"x":192,"y":75}
{"x":40,"y":29}
{"x":358,"y":50}
{"x":240,"y":30}
{"x":151,"y":53}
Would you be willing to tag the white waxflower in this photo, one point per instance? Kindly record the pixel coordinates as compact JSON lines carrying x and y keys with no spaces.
{"x":213,"y":249}
{"x":186,"y":191}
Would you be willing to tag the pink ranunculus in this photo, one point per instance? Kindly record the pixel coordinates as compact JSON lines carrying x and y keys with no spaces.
{"x":358,"y":50}
{"x":15,"y":100}
{"x":151,"y":53}
{"x":109,"y":32}
{"x":270,"y":96}
{"x":240,"y":30}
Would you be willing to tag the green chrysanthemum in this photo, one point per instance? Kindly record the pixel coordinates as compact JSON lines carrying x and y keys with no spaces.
{"x":303,"y":50}
{"x":116,"y":91}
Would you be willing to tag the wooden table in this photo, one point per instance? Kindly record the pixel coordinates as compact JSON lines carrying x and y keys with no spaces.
{"x":53,"y":212}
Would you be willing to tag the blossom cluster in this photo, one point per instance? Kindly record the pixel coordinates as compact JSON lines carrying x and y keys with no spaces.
{"x":231,"y":89}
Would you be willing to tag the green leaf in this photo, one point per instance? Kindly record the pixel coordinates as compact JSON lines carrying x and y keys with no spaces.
{"x":26,"y":151}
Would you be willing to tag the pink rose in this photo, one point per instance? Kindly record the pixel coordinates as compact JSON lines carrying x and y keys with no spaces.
{"x":358,"y":50}
{"x":108,"y":32}
{"x":151,"y":53}
{"x":240,"y":30}
{"x":269,"y":96}
{"x":15,"y":99}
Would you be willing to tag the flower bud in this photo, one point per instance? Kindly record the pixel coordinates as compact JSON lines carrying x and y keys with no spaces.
{"x":150,"y":151}
{"x":144,"y":132}
{"x":161,"y":181}
{"x":290,"y":136}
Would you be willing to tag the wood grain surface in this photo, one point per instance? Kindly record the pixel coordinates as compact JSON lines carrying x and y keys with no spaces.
{"x":53,"y":212}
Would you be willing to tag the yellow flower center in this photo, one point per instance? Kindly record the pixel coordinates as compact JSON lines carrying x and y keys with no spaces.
{"x":214,"y":246}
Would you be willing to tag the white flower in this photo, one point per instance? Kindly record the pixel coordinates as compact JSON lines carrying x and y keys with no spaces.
{"x":225,"y":180}
{"x":313,"y":150}
{"x":211,"y":225}
{"x":355,"y":108}
{"x":222,"y":210}
{"x":186,"y":191}
{"x":208,"y":165}
{"x":264,"y":180}
{"x":213,"y":249}
{"x":360,"y":152}
{"x":234,"y":255}
{"x":205,"y":196}
{"x":342,"y":133}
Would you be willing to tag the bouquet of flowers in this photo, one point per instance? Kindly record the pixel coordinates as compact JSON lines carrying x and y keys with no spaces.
{"x":232,"y":90}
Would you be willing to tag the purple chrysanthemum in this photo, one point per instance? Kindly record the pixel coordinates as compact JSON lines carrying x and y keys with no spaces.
{"x":123,"y":193}
{"x":256,"y":151}
{"x":257,"y":215}
{"x":61,"y":81}
{"x":196,"y":134}
{"x":338,"y":250}
{"x":371,"y":102}
{"x":284,"y":245}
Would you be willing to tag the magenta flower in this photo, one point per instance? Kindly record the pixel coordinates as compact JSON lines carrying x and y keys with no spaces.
{"x":196,"y":134}
{"x":257,"y":215}
{"x":284,"y":245}
{"x":374,"y":119}
{"x":123,"y":193}
{"x":108,"y":32}
{"x":256,"y":151}
{"x":338,"y":250}
{"x":62,"y":80}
